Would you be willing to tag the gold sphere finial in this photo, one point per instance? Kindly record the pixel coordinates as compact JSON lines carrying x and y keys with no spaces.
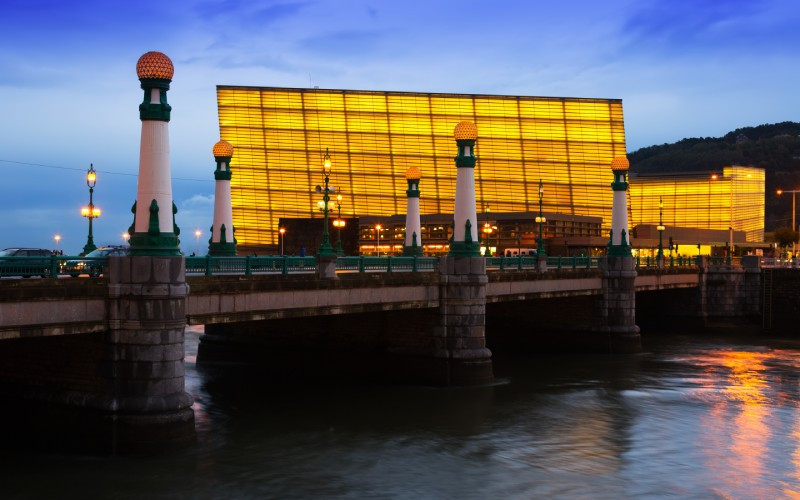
{"x":413,"y":174}
{"x":223,"y":148}
{"x":154,"y":65}
{"x":465,"y":131}
{"x":620,"y":163}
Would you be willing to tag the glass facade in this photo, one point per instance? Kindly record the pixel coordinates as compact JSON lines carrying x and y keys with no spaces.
{"x":708,"y":200}
{"x":281,"y":134}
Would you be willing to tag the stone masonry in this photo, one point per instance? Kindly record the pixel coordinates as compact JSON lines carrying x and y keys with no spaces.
{"x":616,"y":306}
{"x":145,"y":350}
{"x":460,"y":336}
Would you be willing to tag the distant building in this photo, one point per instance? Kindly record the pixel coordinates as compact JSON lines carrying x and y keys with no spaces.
{"x":731,"y":198}
{"x":374,"y":137}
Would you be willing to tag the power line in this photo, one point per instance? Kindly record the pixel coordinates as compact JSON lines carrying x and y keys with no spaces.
{"x":59,"y":167}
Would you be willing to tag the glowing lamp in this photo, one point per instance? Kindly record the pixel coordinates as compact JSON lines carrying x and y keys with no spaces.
{"x":660,"y":228}
{"x":85,"y":211}
{"x":282,"y":230}
{"x":95,"y":212}
{"x":326,"y":163}
{"x":541,"y":220}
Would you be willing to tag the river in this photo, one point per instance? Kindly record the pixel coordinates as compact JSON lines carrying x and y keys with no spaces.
{"x":693,"y":416}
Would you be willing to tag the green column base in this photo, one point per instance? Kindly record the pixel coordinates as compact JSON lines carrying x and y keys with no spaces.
{"x":619,"y":250}
{"x":411,"y":251}
{"x":465,"y":249}
{"x":161,"y":244}
{"x":222,"y":249}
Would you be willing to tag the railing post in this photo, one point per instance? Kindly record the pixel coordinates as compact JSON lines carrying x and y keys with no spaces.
{"x":388,"y":263}
{"x":519,"y":262}
{"x":502,"y":262}
{"x":53,"y":266}
{"x":285,"y":267}
{"x":671,"y":261}
{"x":361,"y":263}
{"x":248,"y":271}
{"x":208,"y":265}
{"x":414,"y":264}
{"x":574,"y":263}
{"x":559,"y":263}
{"x":588,"y":261}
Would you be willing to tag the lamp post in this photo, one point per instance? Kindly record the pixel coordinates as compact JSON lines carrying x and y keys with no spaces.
{"x":282,"y":232}
{"x":339,"y":224}
{"x":794,"y":228}
{"x":126,"y":237}
{"x":197,"y":234}
{"x":57,"y":238}
{"x":661,"y":228}
{"x":540,"y":250}
{"x":378,"y":228}
{"x":325,"y":248}
{"x":90,"y":211}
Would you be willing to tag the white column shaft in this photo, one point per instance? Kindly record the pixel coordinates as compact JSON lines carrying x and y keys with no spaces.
{"x":412,"y":222}
{"x":465,"y":204}
{"x":155,"y":179}
{"x":223,"y":213}
{"x":619,"y":218}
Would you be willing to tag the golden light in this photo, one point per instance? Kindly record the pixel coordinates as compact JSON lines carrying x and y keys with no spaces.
{"x":85,"y":211}
{"x":95,"y":212}
{"x":338,"y":223}
{"x":339,"y":198}
{"x":57,"y":238}
{"x":321,"y":205}
{"x":714,"y":177}
{"x":126,"y":236}
{"x":660,"y":228}
{"x":541,"y":220}
{"x":378,"y":227}
{"x":780,"y":192}
{"x":198,"y":233}
{"x":326,"y":163}
{"x":282,"y":230}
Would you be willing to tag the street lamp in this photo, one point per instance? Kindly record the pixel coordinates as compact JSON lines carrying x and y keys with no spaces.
{"x":378,"y":228}
{"x":282,"y":232}
{"x":339,"y":224}
{"x":126,"y":237}
{"x":540,"y":251}
{"x":325,"y":248}
{"x":794,"y":228}
{"x":90,"y":211}
{"x":661,"y":228}
{"x":57,"y":238}
{"x":197,"y":234}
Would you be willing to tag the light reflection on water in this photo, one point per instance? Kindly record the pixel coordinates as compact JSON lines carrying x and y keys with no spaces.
{"x":687,"y":418}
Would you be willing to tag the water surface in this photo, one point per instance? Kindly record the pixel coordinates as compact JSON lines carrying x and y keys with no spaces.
{"x":692,"y":417}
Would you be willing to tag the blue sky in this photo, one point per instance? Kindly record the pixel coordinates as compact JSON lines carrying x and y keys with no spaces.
{"x":683,"y":68}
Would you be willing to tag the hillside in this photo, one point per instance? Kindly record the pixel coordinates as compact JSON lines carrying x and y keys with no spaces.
{"x":774,"y":147}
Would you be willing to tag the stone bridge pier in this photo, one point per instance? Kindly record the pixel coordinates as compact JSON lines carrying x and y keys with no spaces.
{"x":616,"y":305}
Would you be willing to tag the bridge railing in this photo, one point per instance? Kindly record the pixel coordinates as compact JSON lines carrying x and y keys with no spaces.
{"x":669,"y":262}
{"x":362,"y":264}
{"x":503,"y":263}
{"x":270,"y":264}
{"x":52,"y":266}
{"x":779,"y":262}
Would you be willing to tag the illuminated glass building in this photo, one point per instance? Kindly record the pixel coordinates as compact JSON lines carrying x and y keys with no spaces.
{"x":704,"y":200}
{"x":281,"y":134}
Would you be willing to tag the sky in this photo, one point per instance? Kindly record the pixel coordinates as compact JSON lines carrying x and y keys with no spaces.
{"x":70,"y":95}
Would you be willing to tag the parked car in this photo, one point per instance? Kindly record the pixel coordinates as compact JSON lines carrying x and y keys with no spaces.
{"x":28,"y":266}
{"x":94,"y":263}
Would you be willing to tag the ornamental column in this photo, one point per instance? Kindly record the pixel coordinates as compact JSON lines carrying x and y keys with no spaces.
{"x":616,"y":305}
{"x":148,"y":406}
{"x":465,"y":220}
{"x":413,"y":241}
{"x":153,"y":231}
{"x":619,"y":243}
{"x":222,"y":241}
